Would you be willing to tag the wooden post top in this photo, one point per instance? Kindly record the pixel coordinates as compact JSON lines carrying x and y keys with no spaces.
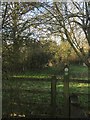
{"x":66,"y":69}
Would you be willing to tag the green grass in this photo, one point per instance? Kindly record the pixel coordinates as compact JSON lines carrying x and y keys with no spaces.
{"x":78,"y":69}
{"x":43,"y":73}
{"x":10,"y":99}
{"x":40,"y":98}
{"x":48,"y":72}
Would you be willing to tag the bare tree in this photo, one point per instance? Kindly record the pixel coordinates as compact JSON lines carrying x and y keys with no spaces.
{"x":70,"y":21}
{"x":16,"y":26}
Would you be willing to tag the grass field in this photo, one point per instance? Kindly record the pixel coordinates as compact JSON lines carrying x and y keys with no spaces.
{"x":48,"y":72}
{"x":20,"y":101}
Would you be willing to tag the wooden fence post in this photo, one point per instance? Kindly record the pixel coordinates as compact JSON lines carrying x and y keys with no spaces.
{"x":66,"y":92}
{"x":53,"y":96}
{"x":88,"y":91}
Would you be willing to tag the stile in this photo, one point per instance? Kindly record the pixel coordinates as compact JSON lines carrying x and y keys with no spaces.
{"x":66,"y":92}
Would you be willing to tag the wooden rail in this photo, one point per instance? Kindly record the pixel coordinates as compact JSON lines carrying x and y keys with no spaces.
{"x":53,"y":90}
{"x":35,"y":91}
{"x":49,"y":79}
{"x":79,"y":81}
{"x":30,"y":79}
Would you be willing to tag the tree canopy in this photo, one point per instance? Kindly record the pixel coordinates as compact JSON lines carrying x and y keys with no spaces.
{"x":26,"y":25}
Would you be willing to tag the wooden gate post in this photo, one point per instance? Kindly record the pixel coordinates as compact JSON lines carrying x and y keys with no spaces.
{"x":66,"y":91}
{"x":53,"y":96}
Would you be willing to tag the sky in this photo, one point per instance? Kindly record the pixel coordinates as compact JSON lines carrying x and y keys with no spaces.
{"x":43,"y":0}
